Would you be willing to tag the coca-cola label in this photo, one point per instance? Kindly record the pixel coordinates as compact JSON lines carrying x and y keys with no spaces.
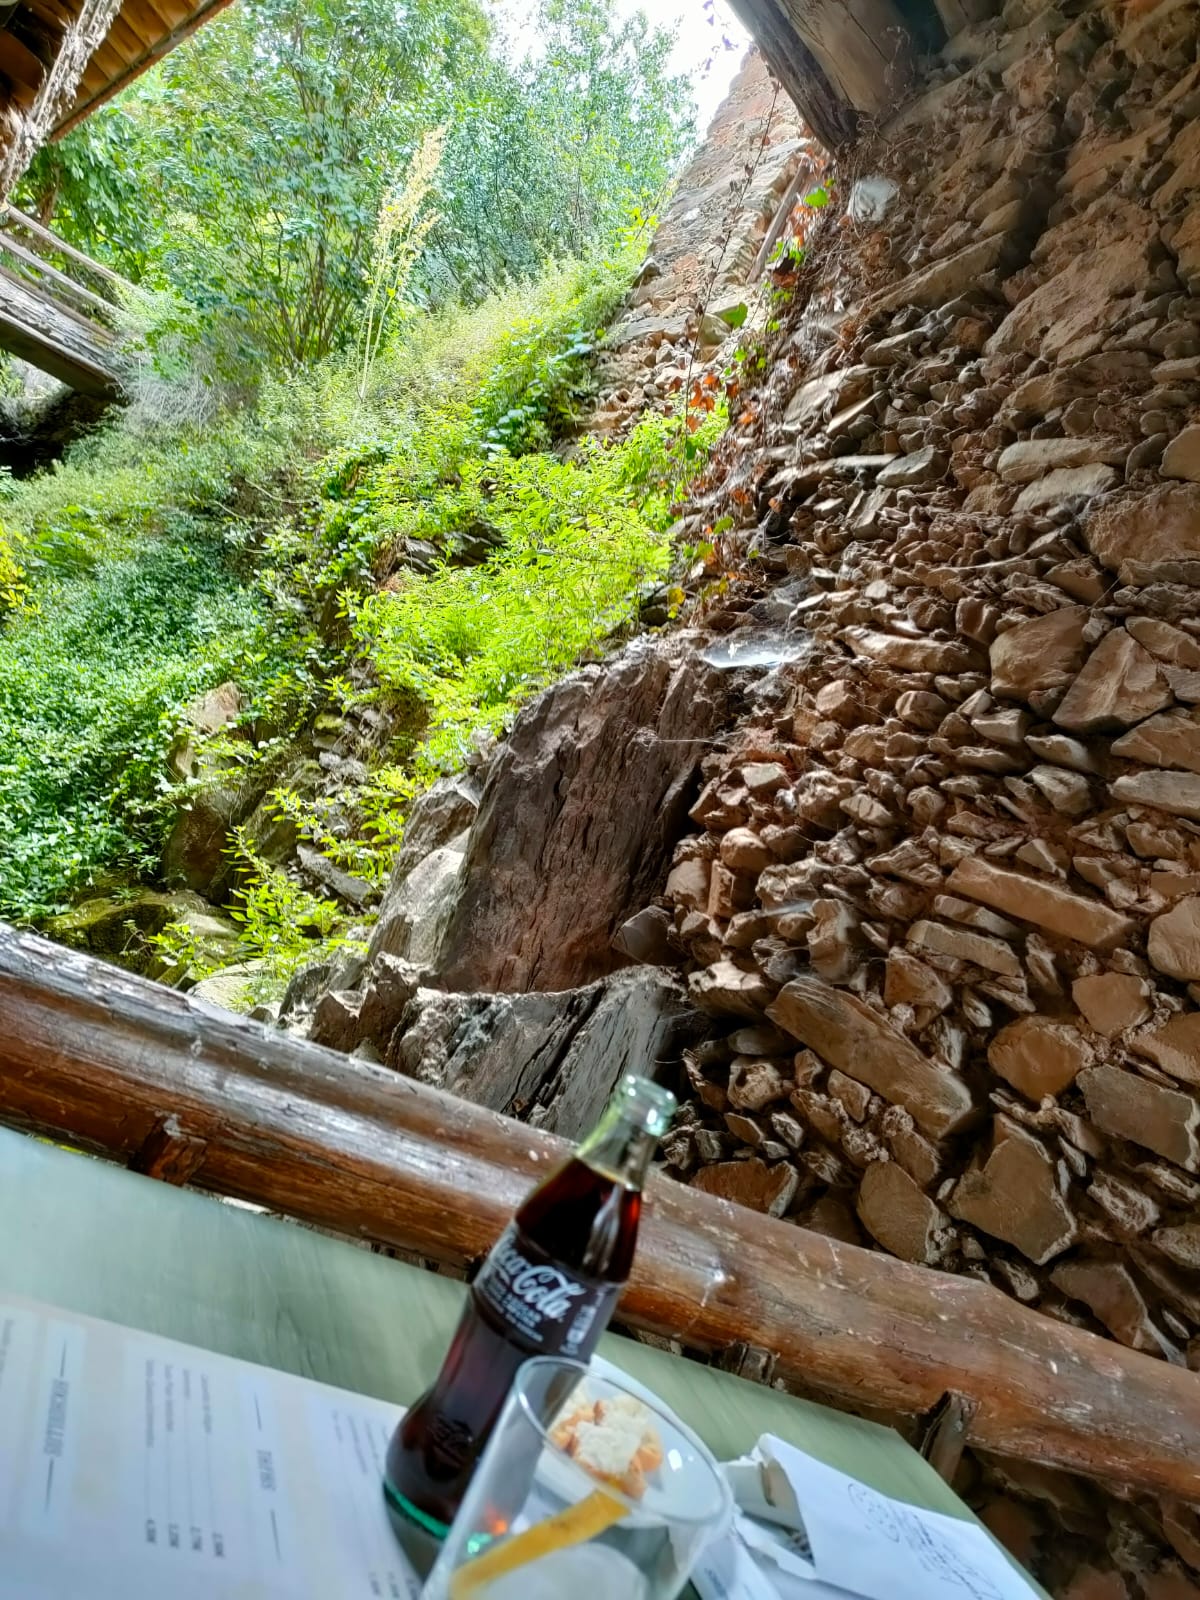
{"x":543,"y":1305}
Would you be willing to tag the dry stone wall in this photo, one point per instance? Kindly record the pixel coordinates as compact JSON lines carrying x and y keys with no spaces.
{"x":704,"y":252}
{"x":941,"y":899}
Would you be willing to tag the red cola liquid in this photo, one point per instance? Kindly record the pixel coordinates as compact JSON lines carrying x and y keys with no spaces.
{"x":548,"y":1287}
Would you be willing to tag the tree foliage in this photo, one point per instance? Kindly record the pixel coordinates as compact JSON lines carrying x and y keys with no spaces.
{"x":247,"y":172}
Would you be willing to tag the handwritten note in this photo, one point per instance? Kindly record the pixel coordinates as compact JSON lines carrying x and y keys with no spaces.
{"x":132,"y":1465}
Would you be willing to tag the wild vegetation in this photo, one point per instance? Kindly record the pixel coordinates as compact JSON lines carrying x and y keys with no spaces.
{"x":366,"y":332}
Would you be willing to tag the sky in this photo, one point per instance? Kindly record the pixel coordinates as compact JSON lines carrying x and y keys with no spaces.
{"x":699,"y":54}
{"x":702,"y":29}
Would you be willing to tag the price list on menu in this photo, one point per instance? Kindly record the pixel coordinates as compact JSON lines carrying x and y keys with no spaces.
{"x":132,"y":1465}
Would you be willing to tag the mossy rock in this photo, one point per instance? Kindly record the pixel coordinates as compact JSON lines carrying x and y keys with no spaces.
{"x":120,"y":927}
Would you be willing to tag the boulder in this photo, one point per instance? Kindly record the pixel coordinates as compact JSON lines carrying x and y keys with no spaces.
{"x":552,"y":1059}
{"x":579,"y":812}
{"x":1066,"y":483}
{"x":1081,"y":299}
{"x":1175,"y":1046}
{"x":1175,"y":792}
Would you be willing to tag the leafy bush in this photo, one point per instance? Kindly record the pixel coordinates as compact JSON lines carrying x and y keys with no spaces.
{"x":92,"y":685}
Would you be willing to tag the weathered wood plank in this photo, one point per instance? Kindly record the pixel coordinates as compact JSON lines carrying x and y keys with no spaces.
{"x":837,"y":59}
{"x":68,"y":347}
{"x":37,"y":231}
{"x":94,"y":1055}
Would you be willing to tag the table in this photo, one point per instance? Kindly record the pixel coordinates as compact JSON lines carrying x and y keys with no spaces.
{"x":98,"y":1240}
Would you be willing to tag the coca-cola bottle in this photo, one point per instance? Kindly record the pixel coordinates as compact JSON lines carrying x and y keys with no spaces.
{"x":549,"y":1287}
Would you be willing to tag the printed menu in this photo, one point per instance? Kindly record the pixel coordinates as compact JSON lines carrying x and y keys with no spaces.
{"x":131,"y":1465}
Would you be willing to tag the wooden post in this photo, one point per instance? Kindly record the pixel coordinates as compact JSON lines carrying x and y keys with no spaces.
{"x":95,"y":1056}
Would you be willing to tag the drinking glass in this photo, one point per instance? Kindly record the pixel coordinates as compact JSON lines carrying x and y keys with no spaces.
{"x":536,"y":1524}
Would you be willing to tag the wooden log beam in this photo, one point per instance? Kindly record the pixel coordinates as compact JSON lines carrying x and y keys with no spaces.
{"x":839,"y":60}
{"x":69,"y":347}
{"x":118,"y":1065}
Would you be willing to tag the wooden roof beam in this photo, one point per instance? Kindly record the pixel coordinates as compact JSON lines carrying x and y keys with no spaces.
{"x":839,"y":60}
{"x":94,"y":1056}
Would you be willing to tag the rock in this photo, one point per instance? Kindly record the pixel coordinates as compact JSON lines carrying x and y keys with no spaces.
{"x":1047,"y":905}
{"x":1181,"y":458}
{"x":1174,"y":941}
{"x":1121,"y":683}
{"x":1149,"y":538}
{"x":1163,"y":1120}
{"x":895,"y":1213}
{"x":1181,"y":1244}
{"x":911,"y":982}
{"x":1175,"y":1046}
{"x":1045,"y":653}
{"x":1062,"y":751}
{"x":1033,"y":458}
{"x":848,"y":1035}
{"x":921,"y":467}
{"x":770,"y":1189}
{"x":1068,"y":792}
{"x":121,"y":927}
{"x":1066,"y":483}
{"x":1170,"y":645}
{"x":599,"y":768}
{"x":646,"y":938}
{"x":558,"y":1056}
{"x":196,"y":853}
{"x":744,"y":851}
{"x":1170,"y":740}
{"x":833,"y":942}
{"x":1081,"y":299}
{"x":436,"y":818}
{"x":1038,"y":1055}
{"x":231,"y":989}
{"x":1014,"y":1196}
{"x":912,"y":655}
{"x":219,"y":708}
{"x":1108,"y":1290}
{"x":688,"y":883}
{"x":354,"y":891}
{"x":1112,"y":1002}
{"x":417,"y":908}
{"x":991,"y":954}
{"x":754,"y":1085}
{"x":729,"y":990}
{"x":952,"y":275}
{"x":1175,"y":792}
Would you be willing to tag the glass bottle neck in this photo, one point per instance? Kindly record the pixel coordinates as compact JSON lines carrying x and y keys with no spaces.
{"x":620,"y":1148}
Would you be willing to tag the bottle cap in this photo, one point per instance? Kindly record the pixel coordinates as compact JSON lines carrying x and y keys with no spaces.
{"x":647,"y":1105}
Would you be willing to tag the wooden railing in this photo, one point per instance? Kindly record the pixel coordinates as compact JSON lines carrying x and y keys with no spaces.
{"x":117,"y":1065}
{"x":58,"y":307}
